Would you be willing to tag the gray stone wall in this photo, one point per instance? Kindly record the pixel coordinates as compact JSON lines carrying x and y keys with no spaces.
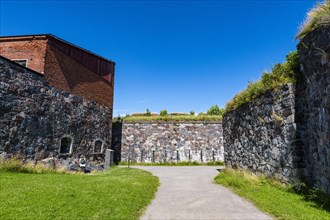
{"x":313,"y":98}
{"x":260,"y":136}
{"x":286,"y":133}
{"x":171,"y":141}
{"x":34,"y":117}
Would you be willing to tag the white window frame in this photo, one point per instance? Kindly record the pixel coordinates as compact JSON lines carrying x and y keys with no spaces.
{"x":26,"y":61}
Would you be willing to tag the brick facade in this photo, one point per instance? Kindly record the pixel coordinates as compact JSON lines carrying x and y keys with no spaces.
{"x":30,"y":48}
{"x":65,"y":66}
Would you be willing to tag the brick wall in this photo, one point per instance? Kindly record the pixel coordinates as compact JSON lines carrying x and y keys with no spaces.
{"x":65,"y":73}
{"x":65,"y":66}
{"x":32,"y":49}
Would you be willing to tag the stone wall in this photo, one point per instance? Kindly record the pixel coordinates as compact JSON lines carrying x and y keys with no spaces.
{"x":171,"y":141}
{"x":35,"y":117}
{"x":260,"y":135}
{"x":116,"y":140}
{"x":313,"y":98}
{"x":286,"y":133}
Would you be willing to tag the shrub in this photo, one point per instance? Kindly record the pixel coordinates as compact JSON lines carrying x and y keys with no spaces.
{"x":316,"y":17}
{"x":192,"y":113}
{"x":163,"y":112}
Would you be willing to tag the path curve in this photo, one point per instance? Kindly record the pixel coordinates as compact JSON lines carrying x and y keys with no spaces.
{"x":188,"y":192}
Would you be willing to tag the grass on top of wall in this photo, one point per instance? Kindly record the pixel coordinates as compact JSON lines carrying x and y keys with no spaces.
{"x":282,"y":201}
{"x":280,"y":74}
{"x":119,"y":193}
{"x":182,"y":163}
{"x":316,"y":17}
{"x":177,"y":118}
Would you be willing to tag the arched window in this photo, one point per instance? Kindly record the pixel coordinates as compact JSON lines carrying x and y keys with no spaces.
{"x":66,"y":145}
{"x":98,"y":146}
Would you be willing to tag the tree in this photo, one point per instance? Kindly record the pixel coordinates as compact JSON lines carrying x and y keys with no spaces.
{"x":148,"y":113}
{"x":163,"y":113}
{"x":215,"y":110}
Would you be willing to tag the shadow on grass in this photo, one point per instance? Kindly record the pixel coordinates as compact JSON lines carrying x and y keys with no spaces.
{"x":312,"y":194}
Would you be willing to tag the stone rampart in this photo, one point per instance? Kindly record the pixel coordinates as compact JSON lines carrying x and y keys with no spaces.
{"x":313,"y":106}
{"x":171,"y":141}
{"x":38,"y":121}
{"x":286,"y":132}
{"x":260,"y":135}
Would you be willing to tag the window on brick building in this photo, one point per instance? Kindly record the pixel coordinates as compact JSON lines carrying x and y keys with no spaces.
{"x":21,"y":62}
{"x":66,"y":145}
{"x":98,"y":146}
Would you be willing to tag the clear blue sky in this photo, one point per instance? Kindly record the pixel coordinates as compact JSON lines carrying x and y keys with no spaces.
{"x":174,"y":55}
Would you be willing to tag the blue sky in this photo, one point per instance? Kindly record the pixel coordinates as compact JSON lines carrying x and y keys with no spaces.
{"x":175,"y":55}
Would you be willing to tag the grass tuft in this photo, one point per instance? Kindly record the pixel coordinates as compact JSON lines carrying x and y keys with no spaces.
{"x":15,"y":165}
{"x":287,"y":72}
{"x":283,"y":201}
{"x":316,"y":17}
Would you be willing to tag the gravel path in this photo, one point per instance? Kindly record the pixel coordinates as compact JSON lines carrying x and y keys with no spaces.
{"x":189,"y":193}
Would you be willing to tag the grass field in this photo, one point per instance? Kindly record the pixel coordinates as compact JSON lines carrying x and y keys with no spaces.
{"x":119,"y":193}
{"x":279,"y":200}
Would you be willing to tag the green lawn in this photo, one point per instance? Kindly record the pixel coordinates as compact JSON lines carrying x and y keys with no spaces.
{"x":275,"y":198}
{"x":119,"y":193}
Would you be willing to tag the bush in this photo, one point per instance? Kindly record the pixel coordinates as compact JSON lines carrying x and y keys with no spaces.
{"x":192,"y":113}
{"x":163,"y":112}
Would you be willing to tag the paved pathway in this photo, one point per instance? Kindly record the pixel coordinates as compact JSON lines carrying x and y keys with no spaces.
{"x":189,"y":193}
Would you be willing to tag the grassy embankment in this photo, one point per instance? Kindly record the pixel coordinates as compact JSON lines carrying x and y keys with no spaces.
{"x":282,"y":201}
{"x":118,"y":193}
{"x":175,"y":118}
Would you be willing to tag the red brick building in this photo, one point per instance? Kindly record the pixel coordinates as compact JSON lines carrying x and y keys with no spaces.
{"x":64,"y":65}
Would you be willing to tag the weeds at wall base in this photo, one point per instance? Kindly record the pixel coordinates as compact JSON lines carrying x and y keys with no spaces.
{"x":14,"y":165}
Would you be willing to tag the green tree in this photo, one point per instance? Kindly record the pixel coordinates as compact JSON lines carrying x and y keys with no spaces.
{"x":148,"y":113}
{"x":215,"y":110}
{"x":163,"y":112}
